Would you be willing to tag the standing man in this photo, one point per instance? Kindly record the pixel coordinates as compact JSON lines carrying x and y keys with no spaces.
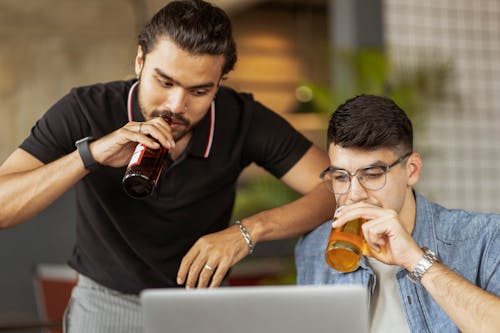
{"x":179,"y":236}
{"x":430,"y":269}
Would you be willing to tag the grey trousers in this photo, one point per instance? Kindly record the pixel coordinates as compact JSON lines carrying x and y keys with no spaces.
{"x":97,"y":309}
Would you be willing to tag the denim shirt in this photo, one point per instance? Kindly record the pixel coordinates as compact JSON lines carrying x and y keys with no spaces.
{"x":466,"y":242}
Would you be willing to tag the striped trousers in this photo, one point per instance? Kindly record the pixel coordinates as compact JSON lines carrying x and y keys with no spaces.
{"x":97,"y":309}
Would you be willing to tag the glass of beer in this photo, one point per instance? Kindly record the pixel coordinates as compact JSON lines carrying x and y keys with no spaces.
{"x":346,"y":245}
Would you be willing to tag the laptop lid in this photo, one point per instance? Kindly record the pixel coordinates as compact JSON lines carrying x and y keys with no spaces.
{"x":290,"y":309}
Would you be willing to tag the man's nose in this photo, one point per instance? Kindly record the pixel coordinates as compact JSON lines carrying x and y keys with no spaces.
{"x":357,"y":192}
{"x":177,"y":100}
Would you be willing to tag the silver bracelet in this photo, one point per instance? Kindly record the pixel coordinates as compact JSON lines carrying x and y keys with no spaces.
{"x":246,"y":236}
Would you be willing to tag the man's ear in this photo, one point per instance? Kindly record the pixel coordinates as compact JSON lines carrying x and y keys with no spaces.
{"x":413,"y":167}
{"x":139,"y":61}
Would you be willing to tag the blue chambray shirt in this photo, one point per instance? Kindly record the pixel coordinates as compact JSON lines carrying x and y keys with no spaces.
{"x":467,"y":242}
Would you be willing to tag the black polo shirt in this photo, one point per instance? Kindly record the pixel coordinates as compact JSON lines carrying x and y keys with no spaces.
{"x":128,"y":244}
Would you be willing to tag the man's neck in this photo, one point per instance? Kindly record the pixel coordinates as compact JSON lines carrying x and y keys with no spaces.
{"x":408,"y":212}
{"x":180,"y":146}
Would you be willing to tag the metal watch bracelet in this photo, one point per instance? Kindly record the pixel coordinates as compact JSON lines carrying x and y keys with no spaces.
{"x":427,"y":260}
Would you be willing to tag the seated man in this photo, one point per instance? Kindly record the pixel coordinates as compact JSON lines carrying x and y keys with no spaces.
{"x":453,"y":256}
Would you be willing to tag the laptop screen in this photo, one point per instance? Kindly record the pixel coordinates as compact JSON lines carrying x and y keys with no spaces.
{"x":289,"y":309}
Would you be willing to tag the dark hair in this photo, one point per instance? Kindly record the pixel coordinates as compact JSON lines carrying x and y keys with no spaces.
{"x":196,"y":27}
{"x":371,"y":122}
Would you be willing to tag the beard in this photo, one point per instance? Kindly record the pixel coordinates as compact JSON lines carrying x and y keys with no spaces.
{"x":181,"y":125}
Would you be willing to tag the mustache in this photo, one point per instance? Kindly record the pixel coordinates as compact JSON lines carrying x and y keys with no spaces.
{"x":170,"y":115}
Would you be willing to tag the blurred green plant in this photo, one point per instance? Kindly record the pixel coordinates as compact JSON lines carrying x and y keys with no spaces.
{"x":261,"y":193}
{"x":414,"y":87}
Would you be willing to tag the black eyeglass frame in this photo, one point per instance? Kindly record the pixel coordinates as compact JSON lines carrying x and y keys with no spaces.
{"x":384,"y":168}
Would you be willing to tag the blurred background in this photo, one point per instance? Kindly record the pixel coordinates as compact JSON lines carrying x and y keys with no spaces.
{"x":439,"y":59}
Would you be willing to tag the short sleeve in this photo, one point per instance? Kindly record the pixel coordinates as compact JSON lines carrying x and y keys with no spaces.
{"x":54,"y":135}
{"x":272,"y":142}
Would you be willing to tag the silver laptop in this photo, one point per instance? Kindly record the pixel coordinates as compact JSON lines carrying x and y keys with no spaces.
{"x":289,"y":309}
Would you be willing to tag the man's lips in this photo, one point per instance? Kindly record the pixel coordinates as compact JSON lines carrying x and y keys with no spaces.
{"x":177,"y":123}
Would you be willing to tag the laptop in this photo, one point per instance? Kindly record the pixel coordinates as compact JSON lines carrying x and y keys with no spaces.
{"x":262,"y":309}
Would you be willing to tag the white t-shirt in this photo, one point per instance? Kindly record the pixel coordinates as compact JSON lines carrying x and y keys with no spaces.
{"x":386,"y":311}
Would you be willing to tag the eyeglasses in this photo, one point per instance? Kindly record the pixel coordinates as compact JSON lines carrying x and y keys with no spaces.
{"x":372,"y":178}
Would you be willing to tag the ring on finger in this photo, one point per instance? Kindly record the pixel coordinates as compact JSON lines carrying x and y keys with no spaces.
{"x":140,"y":125}
{"x":210,"y":268}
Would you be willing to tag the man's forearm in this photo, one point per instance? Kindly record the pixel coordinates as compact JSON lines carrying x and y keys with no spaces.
{"x":26,"y":193}
{"x":294,"y":218}
{"x":471,"y":308}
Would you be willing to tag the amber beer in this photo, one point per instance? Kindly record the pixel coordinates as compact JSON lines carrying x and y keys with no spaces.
{"x":144,"y":169}
{"x":345,"y":246}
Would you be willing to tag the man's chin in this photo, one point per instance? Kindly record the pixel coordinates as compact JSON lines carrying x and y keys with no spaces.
{"x":178,"y":134}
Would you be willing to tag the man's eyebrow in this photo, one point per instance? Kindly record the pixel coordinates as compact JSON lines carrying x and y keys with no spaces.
{"x":197,"y":86}
{"x":375,"y":164}
{"x":371,"y":165}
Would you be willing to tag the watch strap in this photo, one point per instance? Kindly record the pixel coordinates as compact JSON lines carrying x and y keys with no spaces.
{"x":88,"y":160}
{"x":427,"y":260}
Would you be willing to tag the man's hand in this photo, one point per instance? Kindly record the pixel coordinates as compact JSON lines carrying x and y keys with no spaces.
{"x":384,"y":233}
{"x":116,"y":148}
{"x":210,"y":258}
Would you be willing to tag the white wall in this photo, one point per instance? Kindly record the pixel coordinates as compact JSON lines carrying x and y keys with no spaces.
{"x":460,"y":145}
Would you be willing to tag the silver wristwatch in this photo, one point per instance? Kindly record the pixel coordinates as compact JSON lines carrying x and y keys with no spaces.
{"x":423,"y":265}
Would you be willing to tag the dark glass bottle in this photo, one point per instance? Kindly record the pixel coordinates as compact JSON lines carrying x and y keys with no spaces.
{"x":144,"y":169}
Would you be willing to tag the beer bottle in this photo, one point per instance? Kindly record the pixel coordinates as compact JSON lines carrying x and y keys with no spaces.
{"x":144,"y":169}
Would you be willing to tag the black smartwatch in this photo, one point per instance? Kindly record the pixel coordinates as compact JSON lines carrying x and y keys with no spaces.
{"x":88,"y":160}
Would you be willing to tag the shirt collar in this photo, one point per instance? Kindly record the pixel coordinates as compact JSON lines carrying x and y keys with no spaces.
{"x":203,"y":133}
{"x":424,"y":231}
{"x":133,"y":108}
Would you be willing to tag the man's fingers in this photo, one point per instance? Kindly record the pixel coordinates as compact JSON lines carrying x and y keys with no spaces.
{"x":151,"y":133}
{"x":195,"y":272}
{"x":186,"y":265}
{"x":210,"y":258}
{"x":206,"y":274}
{"x":219,"y":274}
